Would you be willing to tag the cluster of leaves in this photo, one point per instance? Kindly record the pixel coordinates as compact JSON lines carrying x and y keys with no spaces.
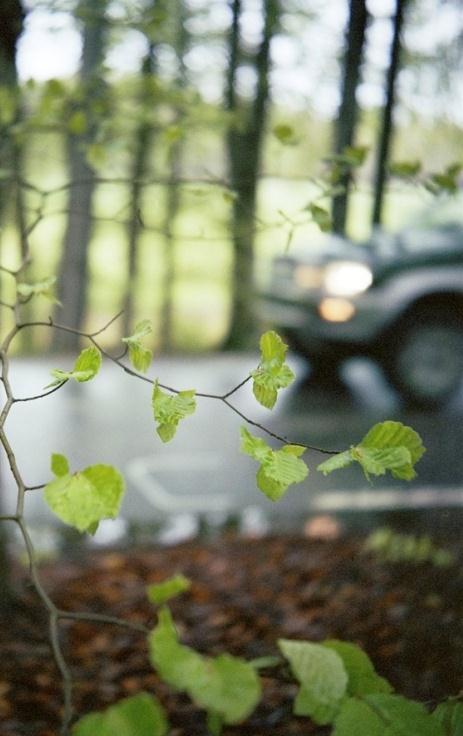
{"x":440,"y":182}
{"x":338,"y":686}
{"x":390,"y":546}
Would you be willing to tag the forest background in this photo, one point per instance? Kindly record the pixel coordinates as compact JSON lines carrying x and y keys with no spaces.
{"x":158,"y":153}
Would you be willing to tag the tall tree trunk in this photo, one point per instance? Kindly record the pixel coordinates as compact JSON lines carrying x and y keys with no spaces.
{"x":143,"y":140}
{"x":244,"y":145}
{"x":387,"y":128}
{"x":348,"y":110}
{"x":181,"y":44}
{"x":72,"y":287}
{"x":11,"y":26}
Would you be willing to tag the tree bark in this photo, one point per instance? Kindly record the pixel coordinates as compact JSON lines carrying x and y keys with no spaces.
{"x":244,"y":147}
{"x":143,"y":140}
{"x":181,"y":44}
{"x":11,"y":26}
{"x":348,"y":111}
{"x":387,"y":127}
{"x":73,"y":281}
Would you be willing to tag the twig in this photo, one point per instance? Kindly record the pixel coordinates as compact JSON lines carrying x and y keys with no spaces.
{"x":103,"y":619}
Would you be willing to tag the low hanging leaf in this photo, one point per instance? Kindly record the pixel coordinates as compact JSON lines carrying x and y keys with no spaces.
{"x":138,"y":715}
{"x":39,"y":288}
{"x":278,"y":468}
{"x":139,"y":356}
{"x":85,"y":368}
{"x":272,"y":373}
{"x":227,"y":687}
{"x":388,"y":446}
{"x":356,"y":718}
{"x":160,"y":593}
{"x":83,"y":499}
{"x":322,"y":677}
{"x":169,"y":410}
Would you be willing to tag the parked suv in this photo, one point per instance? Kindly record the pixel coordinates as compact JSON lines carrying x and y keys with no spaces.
{"x":397,"y":298}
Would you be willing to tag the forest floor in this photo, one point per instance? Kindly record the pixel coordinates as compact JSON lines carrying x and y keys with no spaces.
{"x":245,"y":595}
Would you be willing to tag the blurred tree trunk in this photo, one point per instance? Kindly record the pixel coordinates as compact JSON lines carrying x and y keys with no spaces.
{"x":73,"y":279}
{"x":244,"y":146}
{"x":181,"y":45}
{"x":348,"y":111}
{"x":11,"y":26}
{"x":140,"y":164}
{"x":387,"y":129}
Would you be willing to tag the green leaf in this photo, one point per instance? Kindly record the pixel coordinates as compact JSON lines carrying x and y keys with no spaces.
{"x":59,"y":464}
{"x":96,"y":155}
{"x":279,"y":468}
{"x":363,"y":679}
{"x":162,"y":592}
{"x":449,"y":715}
{"x":77,"y":123}
{"x":392,"y":435}
{"x":83,"y":499}
{"x":85,"y":368}
{"x":39,"y":288}
{"x":138,"y":715}
{"x":169,"y":410}
{"x":272,"y":373}
{"x":320,"y":216}
{"x":405,"y":169}
{"x":354,"y":156}
{"x":403,"y":717}
{"x":225,"y":686}
{"x":322,"y":676}
{"x":341,"y":460}
{"x":285,"y":134}
{"x":378,"y":461}
{"x":357,"y":719}
{"x":139,"y":356}
{"x":142,"y":329}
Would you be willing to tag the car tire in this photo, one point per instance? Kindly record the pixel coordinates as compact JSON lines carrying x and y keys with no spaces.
{"x":324,"y":365}
{"x":424,"y":359}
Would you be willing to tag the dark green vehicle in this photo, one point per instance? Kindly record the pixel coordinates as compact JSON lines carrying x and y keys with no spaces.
{"x":397,"y":299}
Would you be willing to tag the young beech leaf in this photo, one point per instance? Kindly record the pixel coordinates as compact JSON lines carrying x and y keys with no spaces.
{"x":360,"y":671}
{"x":59,"y":464}
{"x":320,"y":216}
{"x":356,"y":718}
{"x":272,"y":372}
{"x":160,"y":593}
{"x":138,"y":715}
{"x":388,"y":446}
{"x":403,"y":717}
{"x":322,"y":676}
{"x":278,"y":468}
{"x":449,"y":715}
{"x":85,"y":368}
{"x":83,"y":499}
{"x":391,"y":435}
{"x":139,"y":356}
{"x":39,"y":288}
{"x":170,"y":409}
{"x":225,"y":686}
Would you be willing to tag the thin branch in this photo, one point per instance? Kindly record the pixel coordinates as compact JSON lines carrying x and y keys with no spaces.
{"x":16,"y":400}
{"x":64,"y":670}
{"x":35,"y":488}
{"x":103,"y":619}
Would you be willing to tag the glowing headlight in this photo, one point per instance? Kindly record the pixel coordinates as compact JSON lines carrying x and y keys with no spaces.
{"x":347,"y":278}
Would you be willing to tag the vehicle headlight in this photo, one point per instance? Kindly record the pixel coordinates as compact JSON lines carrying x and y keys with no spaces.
{"x":347,"y":278}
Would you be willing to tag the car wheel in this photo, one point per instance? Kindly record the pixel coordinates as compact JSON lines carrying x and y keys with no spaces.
{"x":424,"y":360}
{"x":324,"y":365}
